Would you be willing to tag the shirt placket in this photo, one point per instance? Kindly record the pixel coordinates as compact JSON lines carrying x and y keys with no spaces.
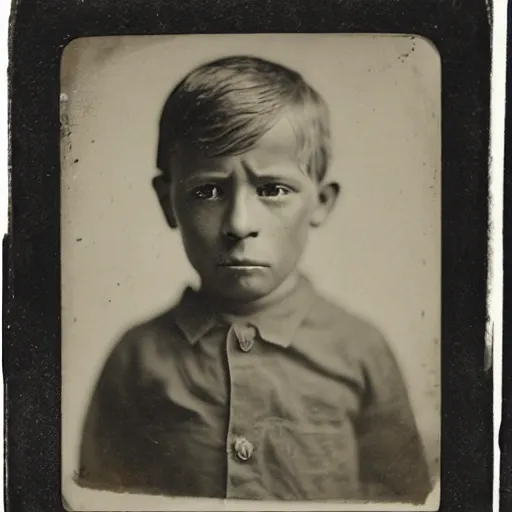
{"x":242,"y":435}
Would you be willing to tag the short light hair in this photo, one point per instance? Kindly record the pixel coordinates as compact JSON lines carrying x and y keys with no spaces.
{"x":224,"y":107}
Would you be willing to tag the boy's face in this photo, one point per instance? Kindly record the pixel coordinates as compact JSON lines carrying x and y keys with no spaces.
{"x":245,"y":219}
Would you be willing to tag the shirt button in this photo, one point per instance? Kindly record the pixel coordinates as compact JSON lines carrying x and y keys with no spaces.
{"x":245,"y":336}
{"x":243,"y":448}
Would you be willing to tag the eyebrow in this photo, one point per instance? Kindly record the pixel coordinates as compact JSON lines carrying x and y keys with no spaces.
{"x":275,"y":178}
{"x":270,"y":173}
{"x":202,"y":176}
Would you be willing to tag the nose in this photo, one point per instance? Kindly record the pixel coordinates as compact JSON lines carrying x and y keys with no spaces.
{"x":240,"y":221}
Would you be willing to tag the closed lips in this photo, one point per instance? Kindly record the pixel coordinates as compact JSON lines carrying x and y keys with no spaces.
{"x":242,"y":263}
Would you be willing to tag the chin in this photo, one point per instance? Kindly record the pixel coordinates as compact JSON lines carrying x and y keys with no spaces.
{"x":244,"y":289}
{"x":246,"y":294}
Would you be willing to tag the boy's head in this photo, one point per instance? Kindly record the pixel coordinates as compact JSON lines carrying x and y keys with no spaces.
{"x":244,"y":148}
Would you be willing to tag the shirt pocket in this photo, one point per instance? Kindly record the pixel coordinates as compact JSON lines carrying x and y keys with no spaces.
{"x":302,"y":462}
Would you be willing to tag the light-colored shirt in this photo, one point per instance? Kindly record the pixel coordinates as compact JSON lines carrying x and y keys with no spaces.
{"x":299,"y":401}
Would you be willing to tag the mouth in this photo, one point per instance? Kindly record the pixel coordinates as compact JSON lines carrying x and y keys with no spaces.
{"x":242,"y":263}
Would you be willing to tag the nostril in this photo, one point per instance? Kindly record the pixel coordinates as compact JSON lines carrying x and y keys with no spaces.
{"x":232,"y":236}
{"x":235,"y":237}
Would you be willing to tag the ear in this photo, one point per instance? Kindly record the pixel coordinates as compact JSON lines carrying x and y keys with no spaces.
{"x":162,"y":188}
{"x":327,"y":196}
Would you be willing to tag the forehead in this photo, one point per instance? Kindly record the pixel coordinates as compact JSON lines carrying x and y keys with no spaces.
{"x":275,"y":152}
{"x":281,"y":140}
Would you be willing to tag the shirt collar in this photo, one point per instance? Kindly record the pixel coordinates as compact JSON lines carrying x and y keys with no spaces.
{"x":277,"y":323}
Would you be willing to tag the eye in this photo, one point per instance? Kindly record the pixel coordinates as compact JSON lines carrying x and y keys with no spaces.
{"x":207,"y":192}
{"x":273,"y":190}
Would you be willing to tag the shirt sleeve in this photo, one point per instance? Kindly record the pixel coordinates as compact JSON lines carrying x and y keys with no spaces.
{"x":108,"y":429}
{"x":392,"y":459}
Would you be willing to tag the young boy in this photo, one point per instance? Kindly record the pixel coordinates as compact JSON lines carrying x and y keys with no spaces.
{"x":253,"y":387}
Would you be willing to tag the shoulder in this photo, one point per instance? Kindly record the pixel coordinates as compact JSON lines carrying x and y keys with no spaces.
{"x":344,"y":327}
{"x":349,"y":342}
{"x":346,"y":335}
{"x":146,"y":340}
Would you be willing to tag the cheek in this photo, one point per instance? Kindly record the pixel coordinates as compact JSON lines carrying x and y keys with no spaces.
{"x":198,"y":223}
{"x":291,"y":226}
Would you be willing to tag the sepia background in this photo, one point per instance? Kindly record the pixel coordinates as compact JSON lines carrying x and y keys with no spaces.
{"x":378,"y":256}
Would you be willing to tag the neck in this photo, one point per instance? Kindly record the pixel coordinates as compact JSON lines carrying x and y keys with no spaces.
{"x":234,"y":307}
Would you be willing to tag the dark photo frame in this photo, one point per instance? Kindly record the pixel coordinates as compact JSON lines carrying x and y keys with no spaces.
{"x":505,"y":432}
{"x":39,"y":32}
